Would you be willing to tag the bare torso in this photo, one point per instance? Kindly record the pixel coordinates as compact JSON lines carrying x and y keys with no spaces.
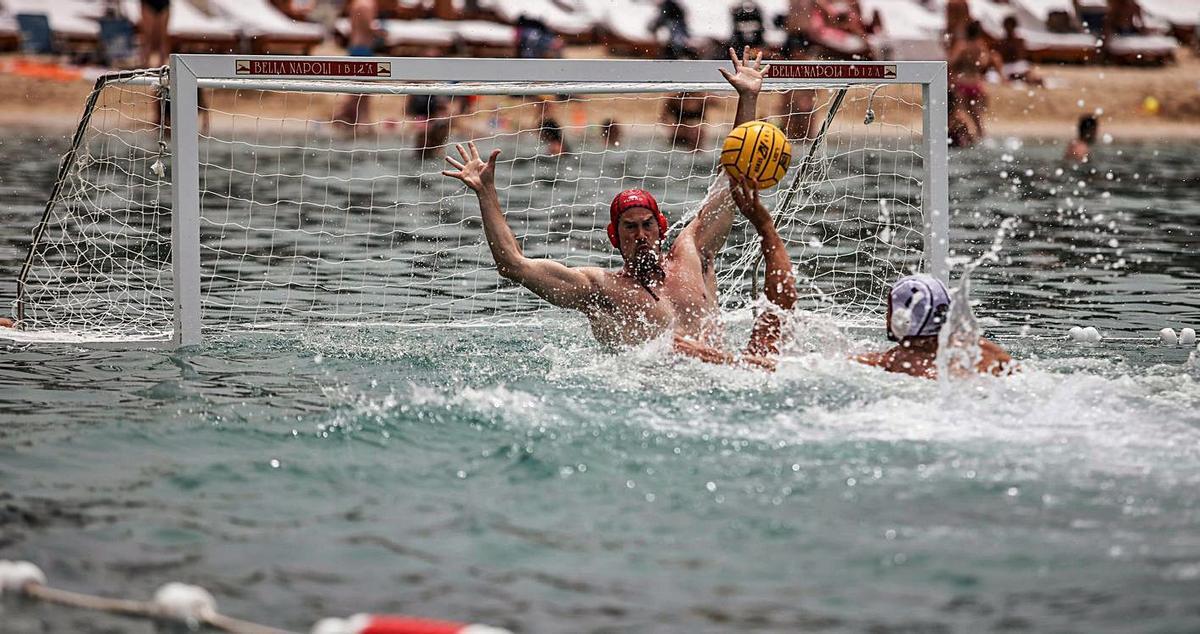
{"x":625,"y":313}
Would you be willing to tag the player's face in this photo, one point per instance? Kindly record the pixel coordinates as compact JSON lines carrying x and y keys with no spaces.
{"x":637,"y":229}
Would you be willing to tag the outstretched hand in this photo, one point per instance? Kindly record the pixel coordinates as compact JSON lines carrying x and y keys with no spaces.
{"x":747,"y":75}
{"x":472,"y":170}
{"x":748,"y":202}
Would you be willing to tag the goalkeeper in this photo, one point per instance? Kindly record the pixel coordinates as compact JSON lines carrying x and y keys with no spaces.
{"x":653,"y":292}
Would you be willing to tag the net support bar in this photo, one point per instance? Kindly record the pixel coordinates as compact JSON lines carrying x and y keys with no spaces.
{"x":185,"y":203}
{"x":935,"y":189}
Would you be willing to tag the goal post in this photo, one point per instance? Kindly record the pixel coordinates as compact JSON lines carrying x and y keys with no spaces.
{"x":229,"y":193}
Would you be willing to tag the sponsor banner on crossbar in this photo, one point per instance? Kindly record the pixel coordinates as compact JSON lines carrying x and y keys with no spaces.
{"x":809,"y":70}
{"x":312,"y":68}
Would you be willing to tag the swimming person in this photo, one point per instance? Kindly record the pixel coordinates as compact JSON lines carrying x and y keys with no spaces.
{"x":916,"y":310}
{"x":651,"y":293}
{"x":1079,"y":149}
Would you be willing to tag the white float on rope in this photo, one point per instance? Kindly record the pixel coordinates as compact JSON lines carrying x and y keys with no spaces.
{"x":15,"y":575}
{"x":191,"y":604}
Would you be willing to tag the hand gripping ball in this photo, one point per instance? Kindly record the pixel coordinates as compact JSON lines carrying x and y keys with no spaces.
{"x":757,"y":152}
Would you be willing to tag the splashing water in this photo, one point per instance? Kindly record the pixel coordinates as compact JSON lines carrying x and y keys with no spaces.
{"x":958,"y":341}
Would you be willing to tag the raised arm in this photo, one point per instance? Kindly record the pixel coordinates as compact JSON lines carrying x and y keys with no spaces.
{"x":746,"y":79}
{"x":711,"y":226}
{"x":554,"y":282}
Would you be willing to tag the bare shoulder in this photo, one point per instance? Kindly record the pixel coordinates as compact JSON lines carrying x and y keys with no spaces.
{"x":995,"y":360}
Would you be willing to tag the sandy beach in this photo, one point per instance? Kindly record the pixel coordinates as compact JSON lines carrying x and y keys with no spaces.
{"x":1119,"y":94}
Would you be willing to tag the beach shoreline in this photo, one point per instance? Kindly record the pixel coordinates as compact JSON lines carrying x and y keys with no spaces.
{"x":1119,"y":96}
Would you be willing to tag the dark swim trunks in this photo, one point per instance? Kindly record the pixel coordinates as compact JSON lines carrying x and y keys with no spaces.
{"x":157,"y":6}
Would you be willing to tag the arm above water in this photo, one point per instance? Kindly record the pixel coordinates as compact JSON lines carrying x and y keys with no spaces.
{"x":711,"y":226}
{"x":708,"y":354}
{"x":554,"y":282}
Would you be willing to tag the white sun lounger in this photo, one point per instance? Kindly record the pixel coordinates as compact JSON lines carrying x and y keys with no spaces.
{"x":268,"y":29}
{"x":1179,"y":14}
{"x":565,"y":17}
{"x":68,"y":18}
{"x":909,"y":32}
{"x":626,"y":20}
{"x":440,"y":33}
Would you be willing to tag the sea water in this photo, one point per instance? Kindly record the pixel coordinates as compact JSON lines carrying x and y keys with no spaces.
{"x":525,"y":478}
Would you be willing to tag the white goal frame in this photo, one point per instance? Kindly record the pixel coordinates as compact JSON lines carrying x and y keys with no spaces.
{"x":189,"y":73}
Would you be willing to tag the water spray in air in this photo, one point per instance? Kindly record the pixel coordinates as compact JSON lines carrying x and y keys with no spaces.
{"x":958,"y":341}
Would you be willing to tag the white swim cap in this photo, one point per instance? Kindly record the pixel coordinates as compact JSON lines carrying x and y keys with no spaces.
{"x":917,"y":307}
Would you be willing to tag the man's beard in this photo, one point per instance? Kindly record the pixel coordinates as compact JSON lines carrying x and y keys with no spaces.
{"x":646,"y":267}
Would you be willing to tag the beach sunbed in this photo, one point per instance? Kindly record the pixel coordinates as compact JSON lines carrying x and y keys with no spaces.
{"x":268,"y":30}
{"x":421,"y":37}
{"x":574,"y":20}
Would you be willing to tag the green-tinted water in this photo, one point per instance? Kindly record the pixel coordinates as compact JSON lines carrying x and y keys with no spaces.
{"x":526,"y":479}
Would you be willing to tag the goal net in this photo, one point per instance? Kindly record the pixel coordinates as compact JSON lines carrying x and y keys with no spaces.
{"x":274,"y":202}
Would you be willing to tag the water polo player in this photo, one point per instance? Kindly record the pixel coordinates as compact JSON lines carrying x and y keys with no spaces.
{"x":916,"y":311}
{"x":651,"y":293}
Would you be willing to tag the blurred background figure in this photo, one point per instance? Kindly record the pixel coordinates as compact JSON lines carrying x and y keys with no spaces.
{"x":364,"y":35}
{"x":958,"y":16}
{"x":551,"y":135}
{"x":961,"y":129}
{"x":1079,"y":150}
{"x":1124,"y":17}
{"x":846,"y":15}
{"x":684,"y":112}
{"x":1014,"y":57}
{"x":155,"y":39}
{"x":796,"y":106}
{"x":673,"y":19}
{"x":610,"y":131}
{"x":535,"y":39}
{"x":748,"y":27}
{"x":969,"y":62}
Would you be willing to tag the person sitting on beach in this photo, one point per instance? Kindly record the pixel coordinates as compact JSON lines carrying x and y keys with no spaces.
{"x":651,"y":294}
{"x":1079,"y":150}
{"x":916,"y":311}
{"x":1124,"y":17}
{"x":1014,"y":56}
{"x":970,"y":61}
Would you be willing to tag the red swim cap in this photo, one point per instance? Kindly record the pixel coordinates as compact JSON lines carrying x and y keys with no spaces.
{"x":627,"y":200}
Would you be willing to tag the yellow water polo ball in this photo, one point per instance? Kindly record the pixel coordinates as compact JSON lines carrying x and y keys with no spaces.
{"x":757,"y":152}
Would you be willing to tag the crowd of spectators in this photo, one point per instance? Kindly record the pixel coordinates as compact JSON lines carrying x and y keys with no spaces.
{"x":812,"y":29}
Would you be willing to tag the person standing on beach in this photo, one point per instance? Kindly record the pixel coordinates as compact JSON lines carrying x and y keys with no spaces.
{"x":970,"y":60}
{"x":363,"y":36}
{"x":156,"y":39}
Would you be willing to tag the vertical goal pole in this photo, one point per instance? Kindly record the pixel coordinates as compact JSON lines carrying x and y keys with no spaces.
{"x":936,"y":188}
{"x":185,"y":203}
